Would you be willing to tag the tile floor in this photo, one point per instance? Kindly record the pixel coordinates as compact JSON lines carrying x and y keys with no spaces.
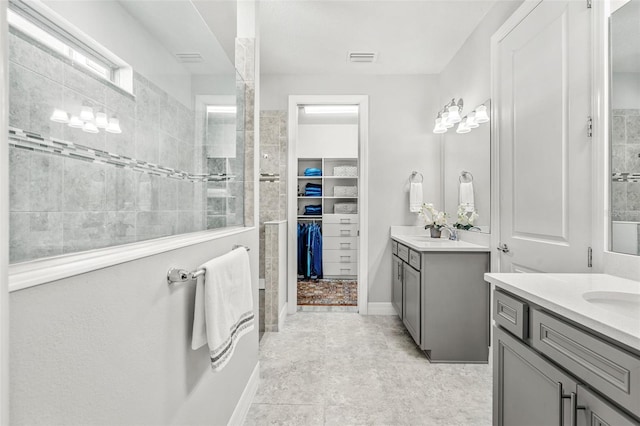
{"x":346,"y":369}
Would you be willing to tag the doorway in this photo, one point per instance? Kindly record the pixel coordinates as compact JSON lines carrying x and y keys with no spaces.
{"x":327,"y":199}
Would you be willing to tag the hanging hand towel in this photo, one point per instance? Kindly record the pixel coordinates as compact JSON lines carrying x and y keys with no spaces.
{"x":223,"y":309}
{"x":466,"y":196}
{"x":415,"y":197}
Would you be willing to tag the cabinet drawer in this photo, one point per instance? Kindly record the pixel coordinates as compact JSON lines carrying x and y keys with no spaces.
{"x":403,"y":252}
{"x":511,"y":314}
{"x":339,"y":269}
{"x":414,"y":259}
{"x":339,"y":230}
{"x":340,"y":256}
{"x":339,"y":243}
{"x":343,"y":219}
{"x":613,"y":371}
{"x":394,"y":247}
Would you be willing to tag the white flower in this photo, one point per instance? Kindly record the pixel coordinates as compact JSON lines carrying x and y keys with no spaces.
{"x":433,"y":217}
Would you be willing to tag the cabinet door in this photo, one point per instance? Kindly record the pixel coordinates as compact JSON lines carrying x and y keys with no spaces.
{"x":527,"y":389}
{"x":411,"y":301}
{"x":594,"y":411}
{"x":396,"y":284}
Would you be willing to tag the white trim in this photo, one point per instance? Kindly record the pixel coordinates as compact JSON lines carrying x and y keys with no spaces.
{"x":29,"y":274}
{"x":4,"y":222}
{"x":496,"y":104}
{"x":246,"y":399}
{"x":381,"y":308}
{"x":282,"y":316}
{"x":363,"y":189}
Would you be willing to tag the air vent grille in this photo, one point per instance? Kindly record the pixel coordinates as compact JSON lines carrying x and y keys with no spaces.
{"x":367,"y":57}
{"x":189,"y":57}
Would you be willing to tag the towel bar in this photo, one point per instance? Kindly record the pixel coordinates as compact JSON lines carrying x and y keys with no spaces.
{"x":176,"y":275}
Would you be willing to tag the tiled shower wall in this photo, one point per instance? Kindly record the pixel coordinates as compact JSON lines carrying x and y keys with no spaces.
{"x":625,"y":149}
{"x":64,"y":205}
{"x":273,"y":161}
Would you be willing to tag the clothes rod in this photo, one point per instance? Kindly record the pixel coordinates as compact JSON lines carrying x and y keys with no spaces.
{"x":176,"y":275}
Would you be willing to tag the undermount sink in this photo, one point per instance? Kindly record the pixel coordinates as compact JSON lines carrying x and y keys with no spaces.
{"x":623,"y":303}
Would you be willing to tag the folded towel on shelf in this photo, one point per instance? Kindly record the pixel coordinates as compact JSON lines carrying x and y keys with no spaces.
{"x":313,"y":190}
{"x":466,"y":196}
{"x":312,"y":171}
{"x":223,"y":310}
{"x":415,"y":197}
{"x":315,"y":210}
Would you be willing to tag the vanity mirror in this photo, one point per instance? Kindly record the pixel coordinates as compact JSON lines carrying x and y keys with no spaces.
{"x":466,"y":164}
{"x":625,"y":128}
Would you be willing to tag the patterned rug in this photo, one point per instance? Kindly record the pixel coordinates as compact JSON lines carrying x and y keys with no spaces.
{"x":328,"y":292}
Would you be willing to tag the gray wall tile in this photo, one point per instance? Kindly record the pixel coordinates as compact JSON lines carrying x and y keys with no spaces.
{"x":19,"y":183}
{"x":84,"y":231}
{"x":84,"y":186}
{"x":45,"y":185}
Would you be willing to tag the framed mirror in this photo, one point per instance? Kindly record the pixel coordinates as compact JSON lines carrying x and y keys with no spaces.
{"x":625,"y":128}
{"x":466,"y":167}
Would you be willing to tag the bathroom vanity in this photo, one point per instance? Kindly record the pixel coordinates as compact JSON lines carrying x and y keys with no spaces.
{"x":439,"y":292}
{"x":566,"y":349}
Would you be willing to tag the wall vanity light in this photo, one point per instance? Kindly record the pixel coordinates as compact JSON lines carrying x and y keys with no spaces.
{"x":87,"y":120}
{"x":450,"y":114}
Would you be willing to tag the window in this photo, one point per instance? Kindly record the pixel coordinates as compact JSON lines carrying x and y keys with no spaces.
{"x":38,"y":24}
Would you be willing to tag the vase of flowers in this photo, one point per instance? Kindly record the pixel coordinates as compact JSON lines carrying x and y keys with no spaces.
{"x":434,"y":220}
{"x":466,"y":217}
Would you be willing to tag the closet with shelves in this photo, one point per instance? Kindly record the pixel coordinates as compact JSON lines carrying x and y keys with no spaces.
{"x":326,"y":200}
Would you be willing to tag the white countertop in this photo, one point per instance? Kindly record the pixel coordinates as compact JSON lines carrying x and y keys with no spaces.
{"x":419,"y":239}
{"x":564,"y":294}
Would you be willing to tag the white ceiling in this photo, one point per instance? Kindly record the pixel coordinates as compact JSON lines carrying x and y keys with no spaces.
{"x":625,"y":38}
{"x":410,"y":37}
{"x":179,"y":26}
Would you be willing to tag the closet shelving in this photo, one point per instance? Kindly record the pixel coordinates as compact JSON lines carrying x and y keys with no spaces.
{"x":340,"y":230}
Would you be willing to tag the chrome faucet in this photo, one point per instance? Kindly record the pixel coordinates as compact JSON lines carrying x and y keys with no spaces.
{"x":453,"y":232}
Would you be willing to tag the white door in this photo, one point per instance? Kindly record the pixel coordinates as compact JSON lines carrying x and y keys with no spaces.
{"x":543,"y":95}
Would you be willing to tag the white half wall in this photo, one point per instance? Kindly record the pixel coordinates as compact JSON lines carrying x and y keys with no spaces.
{"x":400,"y":140}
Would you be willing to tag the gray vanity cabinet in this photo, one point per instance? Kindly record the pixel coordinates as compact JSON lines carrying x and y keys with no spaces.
{"x":548,"y":371}
{"x":526,"y":387}
{"x":396,"y":284}
{"x":411,"y":301}
{"x":596,"y":411}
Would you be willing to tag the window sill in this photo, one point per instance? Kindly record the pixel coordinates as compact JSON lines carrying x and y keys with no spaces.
{"x":37,"y":272}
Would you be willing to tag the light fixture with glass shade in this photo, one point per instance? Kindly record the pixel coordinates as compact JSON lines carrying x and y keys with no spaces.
{"x":481,"y":114}
{"x":454,"y":111}
{"x":75,"y":122}
{"x":462,"y":127}
{"x":101,"y":120}
{"x":90,"y":127}
{"x":86,"y":113}
{"x":60,"y":116}
{"x":439,"y":127}
{"x":471,"y":121}
{"x":113,"y":126}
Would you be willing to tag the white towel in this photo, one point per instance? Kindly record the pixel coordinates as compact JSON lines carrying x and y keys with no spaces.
{"x":466,"y":196}
{"x":223,"y":309}
{"x":415,"y":197}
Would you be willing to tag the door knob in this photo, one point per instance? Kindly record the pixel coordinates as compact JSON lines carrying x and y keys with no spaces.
{"x":503,"y":248}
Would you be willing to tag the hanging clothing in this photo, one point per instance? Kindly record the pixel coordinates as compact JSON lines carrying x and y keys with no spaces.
{"x":309,"y":250}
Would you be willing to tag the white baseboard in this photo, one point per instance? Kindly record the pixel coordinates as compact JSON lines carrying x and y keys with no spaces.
{"x":282,"y":316}
{"x":244,"y":404}
{"x":380,"y":308}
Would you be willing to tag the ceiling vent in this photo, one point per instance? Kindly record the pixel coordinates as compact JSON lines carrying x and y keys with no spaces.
{"x":189,"y":57}
{"x":366,"y":57}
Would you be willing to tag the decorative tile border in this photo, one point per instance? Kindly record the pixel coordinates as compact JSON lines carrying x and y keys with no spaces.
{"x":626,"y":177}
{"x":34,"y":142}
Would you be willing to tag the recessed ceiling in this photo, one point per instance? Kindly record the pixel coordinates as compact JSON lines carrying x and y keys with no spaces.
{"x":409,"y":37}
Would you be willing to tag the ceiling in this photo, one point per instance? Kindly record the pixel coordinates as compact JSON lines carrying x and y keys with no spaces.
{"x":181,"y":28}
{"x":625,"y":38}
{"x":410,"y":36}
